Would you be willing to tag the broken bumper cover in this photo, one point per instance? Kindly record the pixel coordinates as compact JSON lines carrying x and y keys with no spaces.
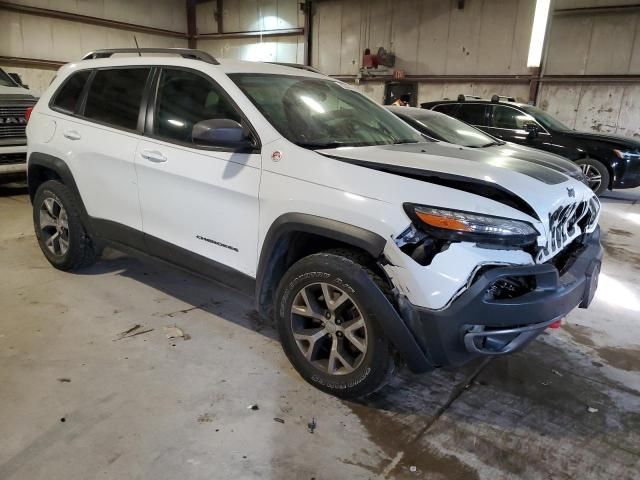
{"x":477,"y":324}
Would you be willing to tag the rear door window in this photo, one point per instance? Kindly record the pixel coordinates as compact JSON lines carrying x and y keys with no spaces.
{"x":67,"y":97}
{"x":115,"y":96}
{"x":473,"y":113}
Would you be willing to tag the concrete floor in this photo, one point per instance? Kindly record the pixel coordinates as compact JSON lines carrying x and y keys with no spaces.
{"x":78,"y":402}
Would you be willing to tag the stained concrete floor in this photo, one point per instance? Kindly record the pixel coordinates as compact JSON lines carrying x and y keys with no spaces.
{"x":78,"y":402}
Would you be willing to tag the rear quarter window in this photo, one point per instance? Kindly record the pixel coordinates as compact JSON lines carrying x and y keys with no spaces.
{"x":67,"y":98}
{"x":115,"y":96}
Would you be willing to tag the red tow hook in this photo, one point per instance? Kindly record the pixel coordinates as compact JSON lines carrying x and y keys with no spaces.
{"x":556,"y":324}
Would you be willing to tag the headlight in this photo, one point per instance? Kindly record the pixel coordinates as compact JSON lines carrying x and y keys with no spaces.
{"x":625,"y":155}
{"x":471,"y":227}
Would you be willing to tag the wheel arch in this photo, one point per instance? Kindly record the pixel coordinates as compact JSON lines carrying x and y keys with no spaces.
{"x":293,"y":236}
{"x":43,"y":167}
{"x":607,"y":165}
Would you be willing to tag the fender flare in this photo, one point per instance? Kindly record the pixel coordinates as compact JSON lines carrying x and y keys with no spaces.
{"x":60,"y":168}
{"x":288,"y":223}
{"x":390,"y":320}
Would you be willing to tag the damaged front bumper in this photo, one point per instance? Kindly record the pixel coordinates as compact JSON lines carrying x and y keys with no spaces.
{"x":478,"y":324}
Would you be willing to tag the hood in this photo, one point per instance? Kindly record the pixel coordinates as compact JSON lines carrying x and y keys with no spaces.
{"x":614,"y":140}
{"x":533,"y":189}
{"x":539,"y":157}
{"x":18,"y":92}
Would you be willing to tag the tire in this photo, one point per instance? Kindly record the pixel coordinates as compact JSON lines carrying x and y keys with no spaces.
{"x":364,"y":361}
{"x":597,"y":173}
{"x":61,"y":235}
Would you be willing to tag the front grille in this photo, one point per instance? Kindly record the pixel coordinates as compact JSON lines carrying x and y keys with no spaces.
{"x":13,"y":121}
{"x":11,"y":158}
{"x":568,"y":222}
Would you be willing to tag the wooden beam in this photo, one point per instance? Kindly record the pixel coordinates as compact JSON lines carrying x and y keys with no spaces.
{"x":191,"y":23}
{"x":74,"y":17}
{"x":284,"y":32}
{"x":598,"y":10}
{"x":31,"y":63}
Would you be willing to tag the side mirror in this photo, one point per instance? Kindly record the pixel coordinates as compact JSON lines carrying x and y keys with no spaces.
{"x":220,"y":132}
{"x":532,"y":129}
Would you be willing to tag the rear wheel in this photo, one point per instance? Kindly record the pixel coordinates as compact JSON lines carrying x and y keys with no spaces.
{"x":61,"y":235}
{"x":597,"y":174}
{"x":327,"y":329}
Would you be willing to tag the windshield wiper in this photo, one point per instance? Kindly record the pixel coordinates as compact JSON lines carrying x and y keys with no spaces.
{"x":319,"y":146}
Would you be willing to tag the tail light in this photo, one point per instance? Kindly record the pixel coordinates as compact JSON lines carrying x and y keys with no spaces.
{"x":27,"y":113}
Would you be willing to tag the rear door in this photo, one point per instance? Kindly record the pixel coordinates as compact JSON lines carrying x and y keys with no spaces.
{"x":474,"y":114}
{"x":99,"y":138}
{"x":201,"y":199}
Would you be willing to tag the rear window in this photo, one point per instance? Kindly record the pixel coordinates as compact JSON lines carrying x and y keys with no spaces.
{"x":68,"y":95}
{"x":473,"y":114}
{"x":115,"y":95}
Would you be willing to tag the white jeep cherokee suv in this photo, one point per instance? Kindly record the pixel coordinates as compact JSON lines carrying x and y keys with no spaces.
{"x":367,"y":245}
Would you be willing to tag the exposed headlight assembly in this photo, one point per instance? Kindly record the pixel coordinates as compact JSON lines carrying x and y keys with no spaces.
{"x":462,"y":226}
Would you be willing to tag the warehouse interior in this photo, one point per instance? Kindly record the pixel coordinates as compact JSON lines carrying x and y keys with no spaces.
{"x":133,"y":369}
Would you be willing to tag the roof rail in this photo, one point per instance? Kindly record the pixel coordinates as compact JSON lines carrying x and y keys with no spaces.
{"x":505,"y":98}
{"x":462,"y":97}
{"x":183,"y":52}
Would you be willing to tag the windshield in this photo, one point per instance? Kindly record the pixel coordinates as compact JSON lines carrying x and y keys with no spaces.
{"x":546,"y":120}
{"x":5,"y":80}
{"x":318,"y":113}
{"x":452,"y":130}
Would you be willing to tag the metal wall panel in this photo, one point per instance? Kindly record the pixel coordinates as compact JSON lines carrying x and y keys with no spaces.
{"x":606,"y":108}
{"x":271,"y":49}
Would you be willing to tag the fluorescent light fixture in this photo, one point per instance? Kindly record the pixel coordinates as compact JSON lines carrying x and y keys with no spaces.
{"x":537,"y":32}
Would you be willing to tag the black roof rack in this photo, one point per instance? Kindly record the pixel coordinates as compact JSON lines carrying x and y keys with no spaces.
{"x":183,"y":52}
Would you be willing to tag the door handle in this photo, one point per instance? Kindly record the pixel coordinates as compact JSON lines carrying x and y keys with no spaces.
{"x":72,"y":135}
{"x":153,"y":156}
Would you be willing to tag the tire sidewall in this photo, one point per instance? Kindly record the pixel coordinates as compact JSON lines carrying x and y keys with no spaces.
{"x":57,"y":191}
{"x":351,"y":279}
{"x":605,"y":176}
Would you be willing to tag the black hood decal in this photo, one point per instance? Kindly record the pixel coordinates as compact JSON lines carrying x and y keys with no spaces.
{"x":481,"y":188}
{"x":542,"y":173}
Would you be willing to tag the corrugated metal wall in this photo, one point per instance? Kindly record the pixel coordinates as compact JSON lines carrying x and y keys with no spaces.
{"x":253,"y":15}
{"x":591,"y":44}
{"x":38,"y":37}
{"x":491,"y":37}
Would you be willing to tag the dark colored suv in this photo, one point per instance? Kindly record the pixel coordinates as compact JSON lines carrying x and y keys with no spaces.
{"x":608,"y":161}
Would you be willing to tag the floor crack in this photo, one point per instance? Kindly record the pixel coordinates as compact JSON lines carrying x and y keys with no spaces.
{"x":455,"y":394}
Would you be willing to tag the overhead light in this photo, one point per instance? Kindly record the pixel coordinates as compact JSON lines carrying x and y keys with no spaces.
{"x":537,"y":32}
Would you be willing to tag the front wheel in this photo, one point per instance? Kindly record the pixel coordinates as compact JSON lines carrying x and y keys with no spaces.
{"x":62,"y":236}
{"x":327,"y":328}
{"x":597,"y":174}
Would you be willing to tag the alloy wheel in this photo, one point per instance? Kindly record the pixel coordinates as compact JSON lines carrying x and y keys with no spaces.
{"x":593,"y":176}
{"x":329,"y":328}
{"x":54,"y":226}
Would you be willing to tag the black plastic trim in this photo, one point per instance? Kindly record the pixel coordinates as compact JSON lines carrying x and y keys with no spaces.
{"x":60,"y":168}
{"x":134,"y":241}
{"x":441,"y":333}
{"x":290,"y":223}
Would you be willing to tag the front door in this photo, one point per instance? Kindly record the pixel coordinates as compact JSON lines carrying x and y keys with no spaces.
{"x":201,"y":199}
